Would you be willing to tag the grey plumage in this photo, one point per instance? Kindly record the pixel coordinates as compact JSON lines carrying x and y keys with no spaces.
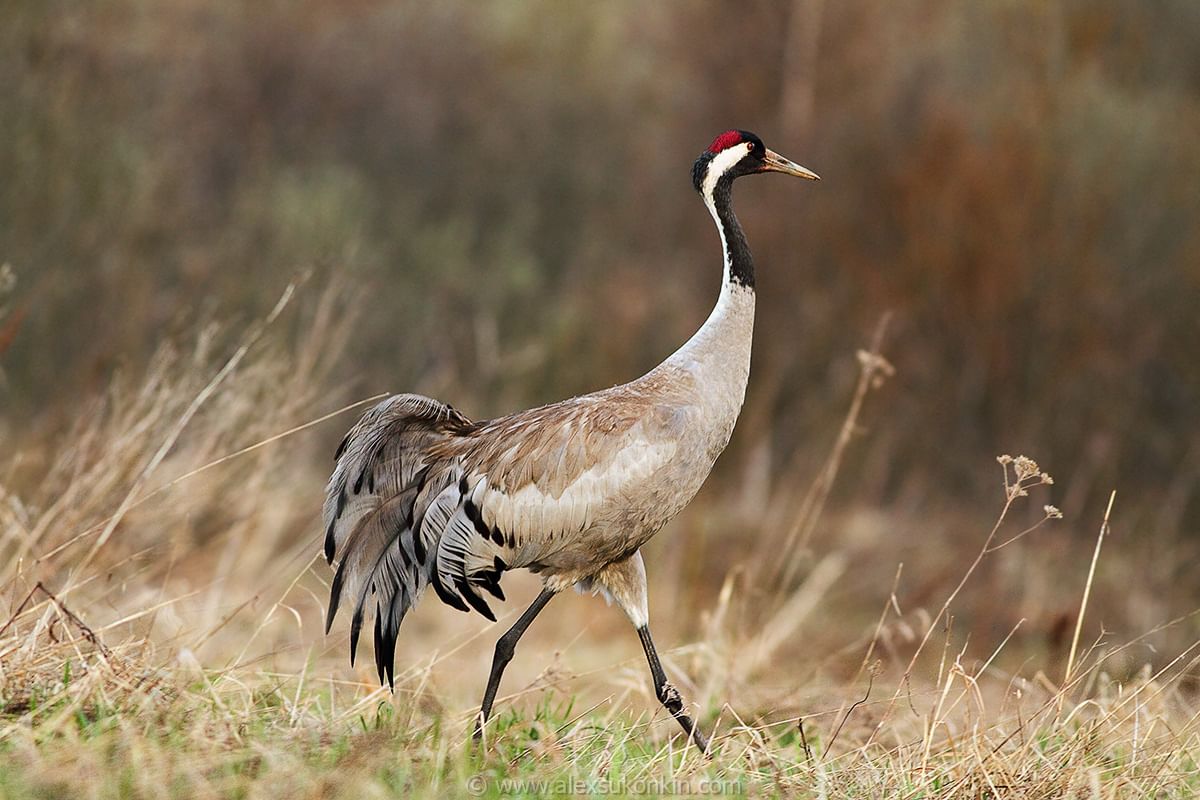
{"x":421,"y":495}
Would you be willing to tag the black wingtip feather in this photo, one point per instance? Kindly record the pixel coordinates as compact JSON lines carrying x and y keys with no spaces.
{"x":448,"y":597}
{"x":493,"y":587}
{"x":385,"y":649}
{"x":475,"y":600}
{"x":335,"y":597}
{"x":329,"y":541}
{"x":341,"y":448}
{"x":379,"y":654}
{"x":355,"y":630}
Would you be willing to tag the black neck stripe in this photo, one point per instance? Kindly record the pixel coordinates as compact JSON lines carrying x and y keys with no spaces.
{"x":741,"y":263}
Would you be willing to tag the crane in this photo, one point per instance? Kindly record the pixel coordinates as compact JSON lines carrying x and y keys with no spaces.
{"x":422,"y":496}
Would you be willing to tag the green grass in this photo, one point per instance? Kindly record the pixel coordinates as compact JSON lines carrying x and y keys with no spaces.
{"x":78,"y":720}
{"x":195,"y":745}
{"x":192,"y":747}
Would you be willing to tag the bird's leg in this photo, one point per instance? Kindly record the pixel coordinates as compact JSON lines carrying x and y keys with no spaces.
{"x":506,"y":645}
{"x":668,"y":695}
{"x":625,"y":582}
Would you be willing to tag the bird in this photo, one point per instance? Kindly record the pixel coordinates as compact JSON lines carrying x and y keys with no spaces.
{"x":421,"y":496}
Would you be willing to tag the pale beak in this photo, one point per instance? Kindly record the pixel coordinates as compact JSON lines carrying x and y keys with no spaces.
{"x":773,"y":162}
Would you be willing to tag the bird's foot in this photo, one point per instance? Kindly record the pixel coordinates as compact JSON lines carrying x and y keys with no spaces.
{"x":669,"y":696}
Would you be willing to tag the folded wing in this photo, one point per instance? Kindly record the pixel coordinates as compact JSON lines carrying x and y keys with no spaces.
{"x":421,"y":495}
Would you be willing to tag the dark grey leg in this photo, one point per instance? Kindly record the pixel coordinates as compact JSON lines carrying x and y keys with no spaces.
{"x":668,"y":695}
{"x":506,"y":645}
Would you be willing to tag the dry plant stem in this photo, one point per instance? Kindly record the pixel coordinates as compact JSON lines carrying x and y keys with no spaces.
{"x":270,"y":613}
{"x":889,"y":605}
{"x":866,"y":696}
{"x":808,"y":757}
{"x":105,"y":653}
{"x":20,"y":609}
{"x":177,"y":430}
{"x":872,"y":367}
{"x":260,"y":444}
{"x":150,"y":495}
{"x":1087,"y":589}
{"x":1023,"y":724}
{"x":1012,"y":492}
{"x":971,"y":682}
{"x":1020,"y":535}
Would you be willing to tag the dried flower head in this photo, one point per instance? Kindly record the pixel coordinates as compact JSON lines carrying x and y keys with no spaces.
{"x":1025,"y":473}
{"x":1025,"y":467}
{"x":1052,"y":512}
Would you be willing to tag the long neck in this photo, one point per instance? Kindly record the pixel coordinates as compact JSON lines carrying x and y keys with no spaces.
{"x":722,"y":344}
{"x":739,"y":264}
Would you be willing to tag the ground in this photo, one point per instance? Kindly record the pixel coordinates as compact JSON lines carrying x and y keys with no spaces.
{"x":165,"y":599}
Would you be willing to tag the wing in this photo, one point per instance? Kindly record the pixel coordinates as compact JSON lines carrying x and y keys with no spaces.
{"x":384,"y":470}
{"x":420,"y":496}
{"x":532,"y":482}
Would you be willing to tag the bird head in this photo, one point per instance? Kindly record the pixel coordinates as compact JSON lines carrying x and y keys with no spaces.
{"x":736,"y":153}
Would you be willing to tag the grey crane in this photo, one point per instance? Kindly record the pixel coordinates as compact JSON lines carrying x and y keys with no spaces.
{"x":422,"y":496}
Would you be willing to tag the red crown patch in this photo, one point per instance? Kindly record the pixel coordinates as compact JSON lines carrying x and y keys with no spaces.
{"x":725,"y":141}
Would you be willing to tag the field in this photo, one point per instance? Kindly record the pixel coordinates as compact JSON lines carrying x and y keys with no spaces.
{"x":228,"y":229}
{"x":164,"y":632}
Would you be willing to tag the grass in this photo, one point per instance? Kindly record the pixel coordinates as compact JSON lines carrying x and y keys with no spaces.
{"x":164,"y":602}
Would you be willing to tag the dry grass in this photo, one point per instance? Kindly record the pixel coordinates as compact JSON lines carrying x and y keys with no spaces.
{"x":162,"y":633}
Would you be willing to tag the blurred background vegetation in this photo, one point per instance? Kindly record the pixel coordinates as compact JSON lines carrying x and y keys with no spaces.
{"x":505,"y":189}
{"x":492,"y":205}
